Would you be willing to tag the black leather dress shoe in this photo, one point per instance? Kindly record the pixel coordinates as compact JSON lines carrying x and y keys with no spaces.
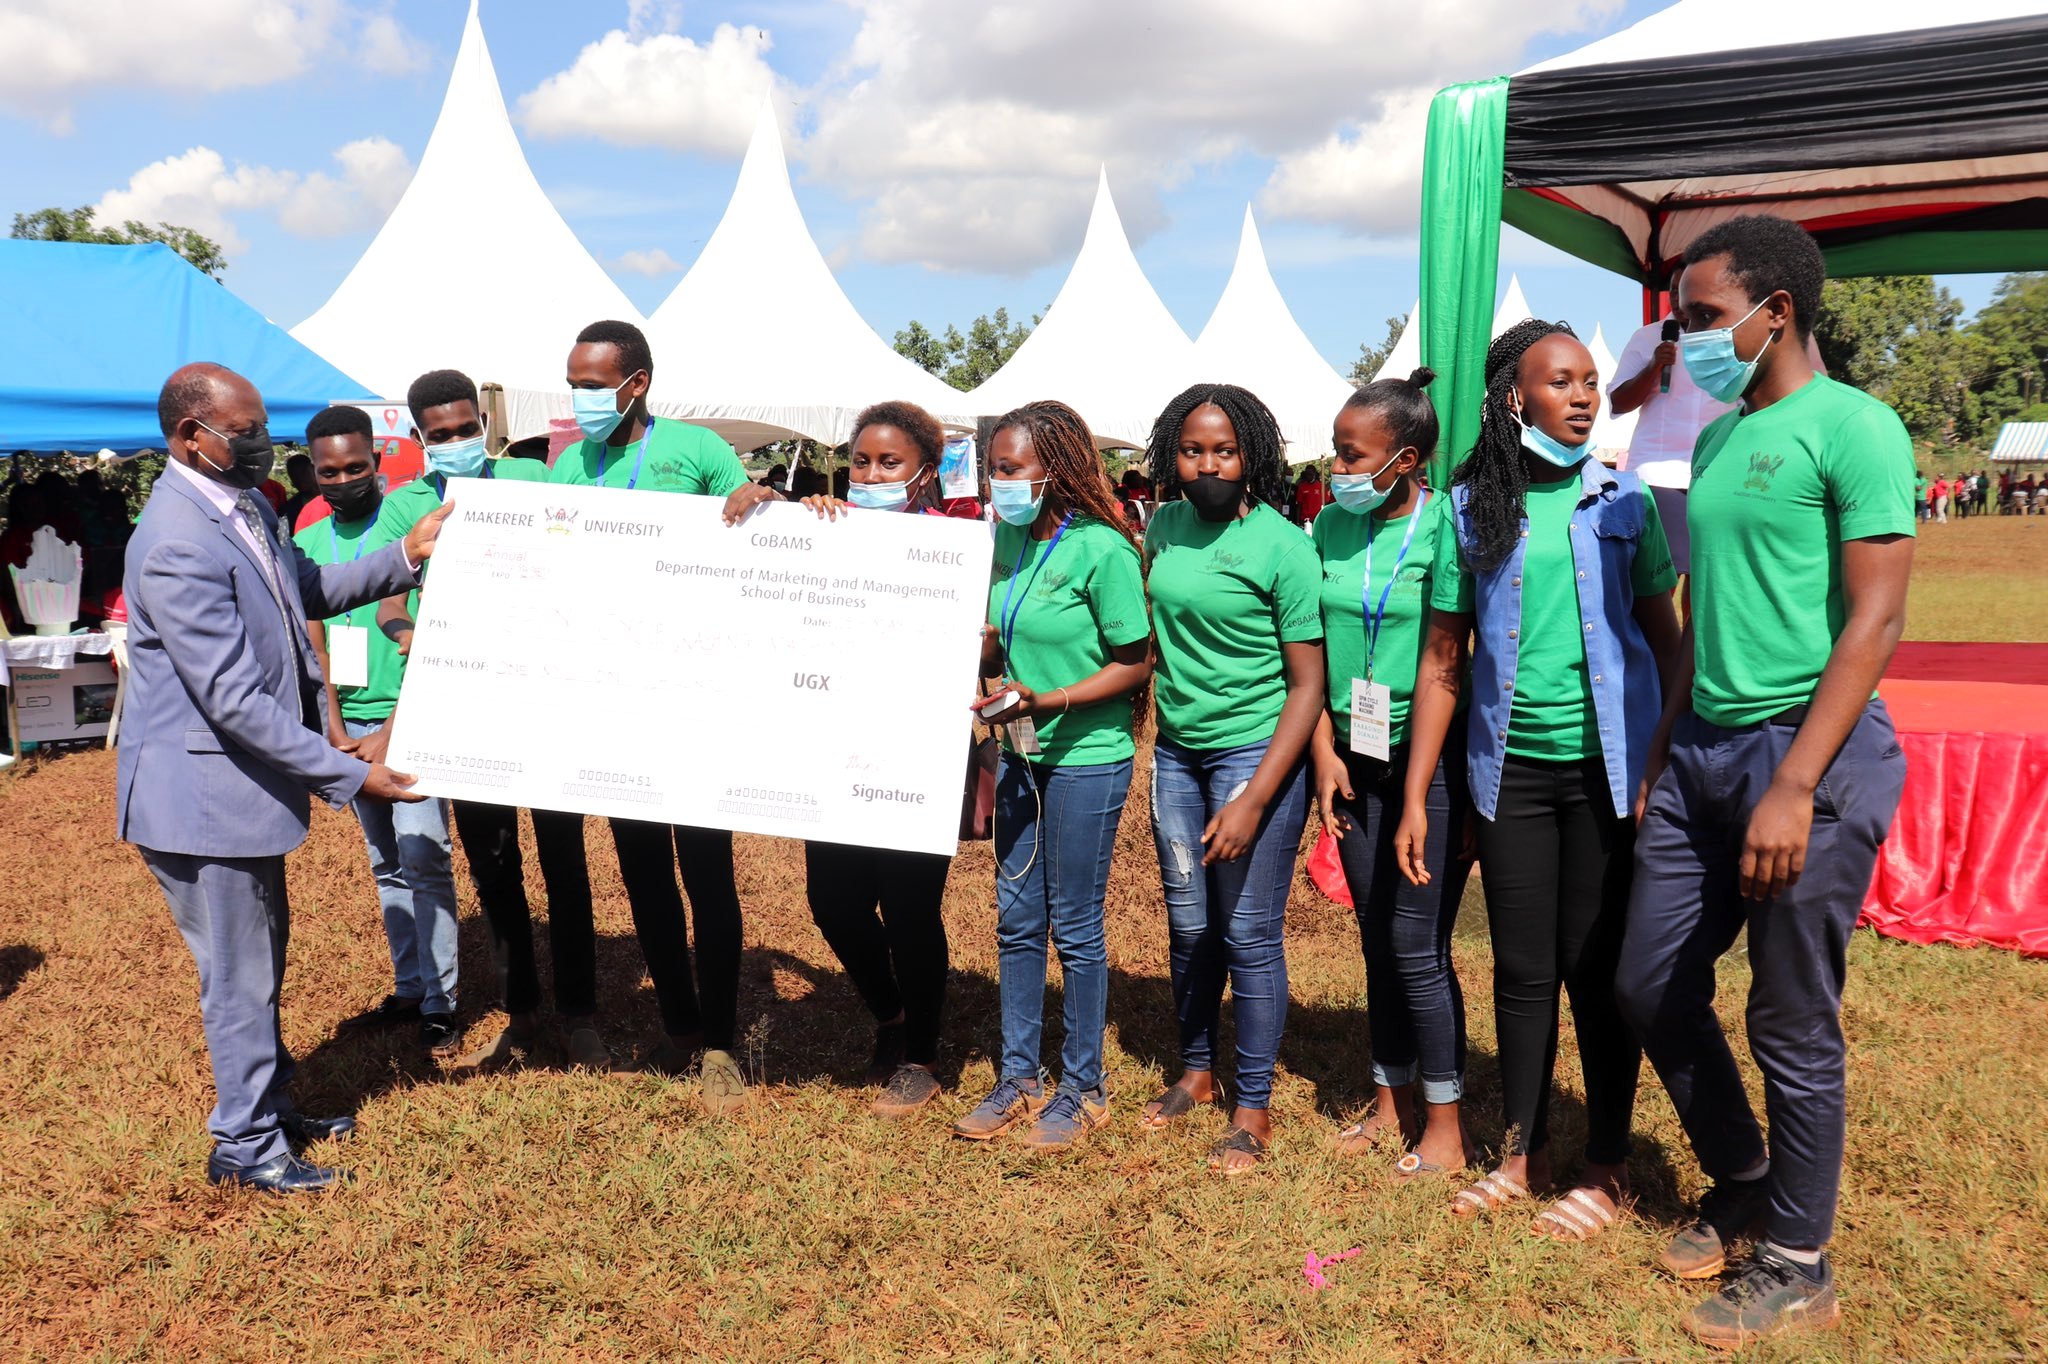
{"x":283,"y":1175}
{"x":301,"y":1130}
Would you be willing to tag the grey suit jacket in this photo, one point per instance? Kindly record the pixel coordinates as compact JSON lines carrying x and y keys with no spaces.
{"x":216,"y":756}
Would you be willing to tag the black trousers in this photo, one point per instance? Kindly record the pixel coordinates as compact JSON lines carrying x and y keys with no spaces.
{"x":490,"y":842}
{"x":897,"y":958}
{"x":1556,"y":862}
{"x":649,"y":855}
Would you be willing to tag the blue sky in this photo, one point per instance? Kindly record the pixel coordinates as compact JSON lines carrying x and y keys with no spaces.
{"x":912,"y":124}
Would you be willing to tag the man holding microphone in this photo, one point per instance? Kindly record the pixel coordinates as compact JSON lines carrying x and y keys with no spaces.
{"x":224,"y":740}
{"x":1648,"y":378}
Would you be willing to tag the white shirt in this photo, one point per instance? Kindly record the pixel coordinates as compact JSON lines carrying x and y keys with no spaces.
{"x":224,"y":500}
{"x":1667,"y":424}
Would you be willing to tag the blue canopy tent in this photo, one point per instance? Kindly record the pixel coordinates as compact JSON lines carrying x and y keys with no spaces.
{"x":88,"y":334}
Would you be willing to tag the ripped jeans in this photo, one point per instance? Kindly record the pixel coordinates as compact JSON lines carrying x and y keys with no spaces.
{"x":1228,"y":918}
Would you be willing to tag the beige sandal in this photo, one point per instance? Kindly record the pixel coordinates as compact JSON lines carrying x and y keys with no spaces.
{"x":1578,"y":1216}
{"x":1496,"y":1190}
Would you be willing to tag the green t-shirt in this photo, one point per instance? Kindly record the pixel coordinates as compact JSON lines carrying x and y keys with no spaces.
{"x":1551,"y":716}
{"x":406,"y":504}
{"x":1774,"y":494}
{"x":1069,"y":610}
{"x":679,"y":458}
{"x":1920,"y":487}
{"x":1224,"y":599}
{"x":1340,"y":539}
{"x":334,"y":541}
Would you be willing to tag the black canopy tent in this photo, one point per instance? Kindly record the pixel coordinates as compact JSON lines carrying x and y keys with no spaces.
{"x":1902,"y":148}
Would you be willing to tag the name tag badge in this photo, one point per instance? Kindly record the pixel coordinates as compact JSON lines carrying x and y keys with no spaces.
{"x":1023,"y":735}
{"x":348,"y":655}
{"x":1372,"y":723}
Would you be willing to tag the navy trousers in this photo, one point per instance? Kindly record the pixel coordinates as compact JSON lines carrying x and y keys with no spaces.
{"x":233,"y":915}
{"x":1685,"y":913}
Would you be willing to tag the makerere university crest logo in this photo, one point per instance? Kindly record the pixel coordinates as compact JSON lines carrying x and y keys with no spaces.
{"x":561,"y":520}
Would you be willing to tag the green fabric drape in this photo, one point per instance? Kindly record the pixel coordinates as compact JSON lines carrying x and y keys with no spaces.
{"x":1463,"y":168}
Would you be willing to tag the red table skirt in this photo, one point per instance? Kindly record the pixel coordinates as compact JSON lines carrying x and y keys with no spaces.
{"x":1966,"y":861}
{"x":1967,"y":858}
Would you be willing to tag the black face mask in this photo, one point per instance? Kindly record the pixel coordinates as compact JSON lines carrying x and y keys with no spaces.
{"x":250,"y":456}
{"x":1215,"y":499}
{"x":353,"y":500}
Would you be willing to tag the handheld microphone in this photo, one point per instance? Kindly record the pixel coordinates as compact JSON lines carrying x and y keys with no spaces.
{"x":1671,"y":330}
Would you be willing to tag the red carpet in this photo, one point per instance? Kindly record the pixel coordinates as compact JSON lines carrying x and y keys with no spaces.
{"x":1966,"y":862}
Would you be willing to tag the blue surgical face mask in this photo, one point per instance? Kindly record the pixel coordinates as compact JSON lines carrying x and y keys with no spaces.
{"x":1550,"y":448}
{"x":1013,"y":500}
{"x":597,"y":410}
{"x":1357,"y":493}
{"x":457,"y":458}
{"x":1711,"y":361}
{"x":878,"y":496}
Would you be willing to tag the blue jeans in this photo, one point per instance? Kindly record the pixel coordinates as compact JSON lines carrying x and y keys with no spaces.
{"x":1052,"y":873}
{"x":1412,"y":1001}
{"x":1229,"y":917}
{"x":409,"y":854}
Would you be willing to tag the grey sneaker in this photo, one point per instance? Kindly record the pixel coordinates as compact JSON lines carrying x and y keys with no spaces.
{"x":1730,"y":1210}
{"x":1772,"y":1296}
{"x":1012,"y":1101}
{"x":725,"y":1088}
{"x":1070,"y":1116}
{"x":909,"y":1089}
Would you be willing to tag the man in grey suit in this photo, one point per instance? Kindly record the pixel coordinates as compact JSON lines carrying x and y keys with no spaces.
{"x":223,"y":742}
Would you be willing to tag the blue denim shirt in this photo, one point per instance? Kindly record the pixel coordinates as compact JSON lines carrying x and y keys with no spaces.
{"x":1627,"y":697}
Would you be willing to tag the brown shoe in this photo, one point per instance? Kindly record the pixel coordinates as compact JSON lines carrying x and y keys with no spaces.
{"x":586,"y":1047}
{"x":509,"y":1050}
{"x":725,"y":1088}
{"x":909,"y":1089}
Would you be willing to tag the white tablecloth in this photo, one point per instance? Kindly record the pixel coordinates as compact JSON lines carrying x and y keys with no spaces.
{"x":49,"y":651}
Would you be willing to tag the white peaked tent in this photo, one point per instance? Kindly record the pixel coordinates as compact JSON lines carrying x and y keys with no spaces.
{"x":1611,"y":434}
{"x":1513,"y":308}
{"x":1253,"y":340}
{"x":474,"y":227}
{"x":1107,"y":348}
{"x":758,"y":341}
{"x":1406,"y":356}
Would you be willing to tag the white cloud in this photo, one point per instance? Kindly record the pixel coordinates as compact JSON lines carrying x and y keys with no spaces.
{"x":197,"y":190}
{"x":636,"y":89}
{"x":374,"y":173}
{"x":652,"y":263}
{"x":976,"y":130}
{"x":55,"y":50}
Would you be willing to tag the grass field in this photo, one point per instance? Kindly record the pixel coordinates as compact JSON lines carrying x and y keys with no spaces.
{"x":549,"y":1216}
{"x":1985,"y":578}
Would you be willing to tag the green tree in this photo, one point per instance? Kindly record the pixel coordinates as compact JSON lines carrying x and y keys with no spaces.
{"x":2012,"y":332}
{"x":1864,"y":321}
{"x":76,"y":225}
{"x":965,"y":361}
{"x":1370,"y":358}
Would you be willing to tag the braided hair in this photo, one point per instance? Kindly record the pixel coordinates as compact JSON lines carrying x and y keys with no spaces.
{"x":1258,"y":442}
{"x":1494,"y":470}
{"x":1060,"y":438}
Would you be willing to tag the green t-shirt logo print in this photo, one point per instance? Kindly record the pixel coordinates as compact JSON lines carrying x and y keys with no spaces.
{"x":1762,"y":469}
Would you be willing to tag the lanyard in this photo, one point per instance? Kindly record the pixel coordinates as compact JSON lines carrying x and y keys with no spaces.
{"x":334,"y":555}
{"x":638,"y":455}
{"x":441,"y":482}
{"x":1007,"y":616}
{"x":1375,"y":617}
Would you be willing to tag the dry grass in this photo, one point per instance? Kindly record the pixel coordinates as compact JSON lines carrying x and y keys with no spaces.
{"x":550,"y":1216}
{"x":1984,"y":578}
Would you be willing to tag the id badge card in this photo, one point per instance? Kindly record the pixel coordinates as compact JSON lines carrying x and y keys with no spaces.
{"x":1023,"y":735}
{"x":1372,"y":719}
{"x":348,"y":655}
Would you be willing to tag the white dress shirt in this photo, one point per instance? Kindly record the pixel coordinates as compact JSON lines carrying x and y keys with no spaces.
{"x":1667,"y":424}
